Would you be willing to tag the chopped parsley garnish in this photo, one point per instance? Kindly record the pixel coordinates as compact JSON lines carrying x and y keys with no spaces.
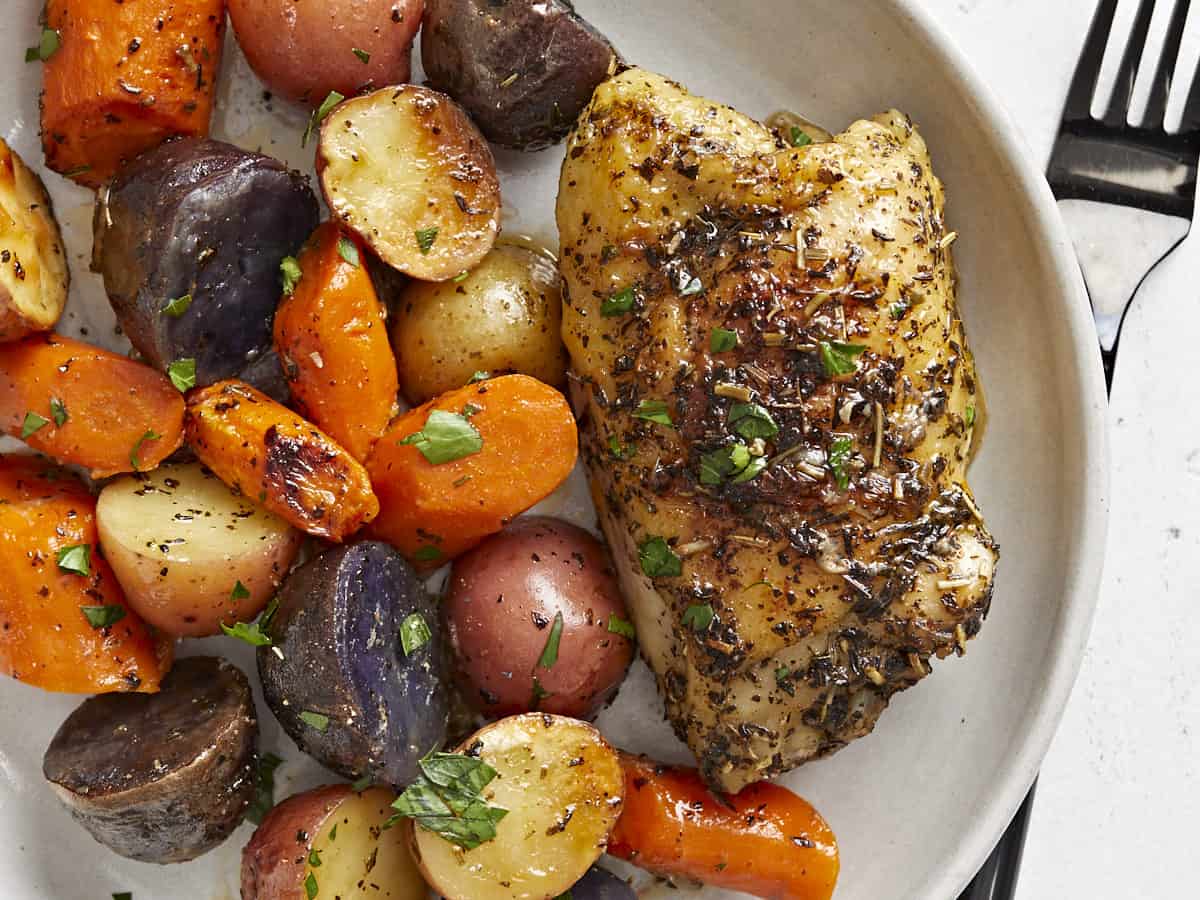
{"x":289,"y":274}
{"x":47,"y":46}
{"x":348,"y":251}
{"x":363,"y":56}
{"x":33,"y":422}
{"x":654,"y":411}
{"x":311,"y":888}
{"x":76,"y":558}
{"x":177,"y":306}
{"x":428,"y":553}
{"x":969,"y":416}
{"x":239,"y":591}
{"x":446,"y":437}
{"x":447,"y":799}
{"x":539,"y":694}
{"x":461,"y":276}
{"x":698,"y":616}
{"x":332,"y":99}
{"x":617,"y":449}
{"x":722,"y":340}
{"x":623,"y":627}
{"x":797,"y":137}
{"x":839,"y":461}
{"x":752,"y":421}
{"x":719,"y":464}
{"x":751,"y":471}
{"x":264,"y":788}
{"x":148,"y":435}
{"x":182,"y":373}
{"x":102,"y":616}
{"x":425,"y":238}
{"x":314,"y":858}
{"x":838,"y":357}
{"x":316,"y":720}
{"x":694,"y":286}
{"x":898,"y":309}
{"x":250,"y":632}
{"x":618,"y":304}
{"x":414,"y":633}
{"x":550,"y":652}
{"x":658,"y":560}
{"x":58,"y":410}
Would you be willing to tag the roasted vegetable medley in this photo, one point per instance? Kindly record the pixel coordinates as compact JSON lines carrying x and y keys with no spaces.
{"x":334,"y":389}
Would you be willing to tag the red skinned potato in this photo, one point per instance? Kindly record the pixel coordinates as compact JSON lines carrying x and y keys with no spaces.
{"x":536,"y":621}
{"x":319,"y":844}
{"x":303,"y":49}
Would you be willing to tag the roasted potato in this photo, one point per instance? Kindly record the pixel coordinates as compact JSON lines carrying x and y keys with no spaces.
{"x":331,"y":842}
{"x":562,"y":787}
{"x":189,"y":237}
{"x":408,"y":171}
{"x":504,"y":316}
{"x":535,"y":620}
{"x":303,"y":49}
{"x":523,"y":69}
{"x":355,"y":671}
{"x":189,"y":552}
{"x":266,"y":451}
{"x":33,"y":267}
{"x":164,"y":777}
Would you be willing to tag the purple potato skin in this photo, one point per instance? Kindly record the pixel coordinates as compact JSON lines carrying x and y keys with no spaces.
{"x":337,"y":653}
{"x":601,"y":884}
{"x":499,"y":612}
{"x":200,"y":217}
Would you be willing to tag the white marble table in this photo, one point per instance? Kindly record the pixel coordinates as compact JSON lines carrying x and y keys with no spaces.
{"x":1119,"y":799}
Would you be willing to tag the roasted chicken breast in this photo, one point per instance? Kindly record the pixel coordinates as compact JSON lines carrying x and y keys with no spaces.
{"x":778,"y":407}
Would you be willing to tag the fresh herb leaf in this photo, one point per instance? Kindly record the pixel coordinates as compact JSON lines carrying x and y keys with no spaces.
{"x":751,"y":471}
{"x":311,"y":888}
{"x":47,"y":46}
{"x":76,"y":558}
{"x":264,"y":788}
{"x":333,"y":833}
{"x":177,"y":307}
{"x":148,"y":435}
{"x":797,"y":137}
{"x":250,"y":632}
{"x":363,"y":56}
{"x":698,"y":617}
{"x":447,"y":799}
{"x":316,"y":720}
{"x":617,"y":449}
{"x":239,"y":592}
{"x":719,"y":464}
{"x":694,"y":286}
{"x":898,"y":309}
{"x":969,"y":416}
{"x":414,"y":633}
{"x":658,"y":560}
{"x":182,"y":373}
{"x":838,"y":357}
{"x":539,"y":694}
{"x":839,"y":461}
{"x":102,"y":616}
{"x":425,"y":238}
{"x":33,"y":422}
{"x":289,"y":274}
{"x":58,"y":411}
{"x":722,"y":340}
{"x":314,"y":858}
{"x":550,"y":652}
{"x":264,"y":621}
{"x":752,"y":421}
{"x":654,"y":411}
{"x":461,"y":276}
{"x":332,"y":99}
{"x":618,"y":304}
{"x":446,"y":437}
{"x":623,"y":627}
{"x":428,"y":553}
{"x":348,"y":251}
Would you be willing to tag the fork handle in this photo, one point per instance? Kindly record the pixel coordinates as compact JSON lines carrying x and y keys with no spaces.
{"x":997,"y":880}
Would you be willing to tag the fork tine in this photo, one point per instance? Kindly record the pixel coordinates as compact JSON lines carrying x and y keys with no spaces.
{"x":1160,"y":88}
{"x":1091,"y":58}
{"x":1131,"y":59}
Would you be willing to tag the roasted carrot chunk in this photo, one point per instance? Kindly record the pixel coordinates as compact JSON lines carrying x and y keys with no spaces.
{"x":64,"y":623}
{"x":123,"y":77}
{"x":331,"y":335}
{"x":87,"y":406}
{"x":765,"y":841}
{"x":462,"y":466}
{"x":286,"y":463}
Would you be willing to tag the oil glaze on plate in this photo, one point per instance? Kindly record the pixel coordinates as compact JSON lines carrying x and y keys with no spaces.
{"x":918,"y":804}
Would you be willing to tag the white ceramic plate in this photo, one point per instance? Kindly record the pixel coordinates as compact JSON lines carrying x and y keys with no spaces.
{"x":917,"y":805}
